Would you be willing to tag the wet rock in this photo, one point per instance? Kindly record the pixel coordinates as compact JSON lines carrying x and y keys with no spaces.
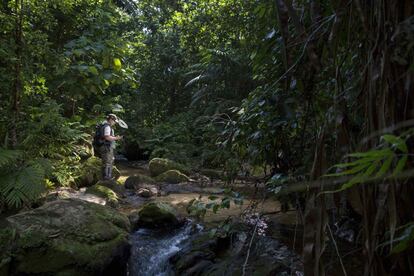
{"x":60,"y":193}
{"x":115,"y":186}
{"x":134,"y":220}
{"x":155,"y":214}
{"x":158,"y":166}
{"x":142,"y":192}
{"x":65,"y":236}
{"x":173,"y":177}
{"x":138,"y":181}
{"x":106,"y":193}
{"x":226,"y":256}
{"x":199,"y":268}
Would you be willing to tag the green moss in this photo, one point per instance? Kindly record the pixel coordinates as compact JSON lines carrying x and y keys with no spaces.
{"x":159,"y":165}
{"x":115,"y":186}
{"x":103,"y":192}
{"x":173,"y":177}
{"x":157,"y":213}
{"x":83,"y":240}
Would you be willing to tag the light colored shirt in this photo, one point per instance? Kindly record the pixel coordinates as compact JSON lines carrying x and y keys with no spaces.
{"x":109,"y":131}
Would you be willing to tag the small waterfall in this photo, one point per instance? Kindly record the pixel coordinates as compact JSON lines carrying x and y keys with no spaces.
{"x":151,"y":249}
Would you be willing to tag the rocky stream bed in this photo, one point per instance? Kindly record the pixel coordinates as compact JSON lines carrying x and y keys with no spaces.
{"x":139,"y":225}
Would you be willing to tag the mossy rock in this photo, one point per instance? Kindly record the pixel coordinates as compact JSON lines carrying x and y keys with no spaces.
{"x":90,"y":172}
{"x":69,"y":236}
{"x":104,"y":192}
{"x":7,"y":237}
{"x":158,"y":166}
{"x":138,"y":181}
{"x":115,"y":186}
{"x":172,"y":177}
{"x":155,"y":214}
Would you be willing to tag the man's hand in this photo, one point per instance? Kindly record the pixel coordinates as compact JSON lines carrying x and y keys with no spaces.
{"x":118,"y":138}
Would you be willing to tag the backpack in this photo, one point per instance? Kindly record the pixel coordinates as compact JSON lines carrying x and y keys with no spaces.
{"x":98,"y":138}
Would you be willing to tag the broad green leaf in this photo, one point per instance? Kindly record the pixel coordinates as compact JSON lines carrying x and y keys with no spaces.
{"x":400,"y":165}
{"x":372,"y":153}
{"x":93,"y":70}
{"x":356,"y":162}
{"x":371,"y":169}
{"x":354,"y":170}
{"x":405,"y":240}
{"x":351,"y":183}
{"x":385,"y":166}
{"x":117,"y":64}
{"x":397,"y":142}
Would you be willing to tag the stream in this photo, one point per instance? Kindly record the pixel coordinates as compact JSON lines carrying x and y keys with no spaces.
{"x":175,"y":251}
{"x":152,"y":248}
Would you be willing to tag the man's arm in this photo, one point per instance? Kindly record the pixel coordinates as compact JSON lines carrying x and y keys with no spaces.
{"x":112,"y":138}
{"x":108,"y":136}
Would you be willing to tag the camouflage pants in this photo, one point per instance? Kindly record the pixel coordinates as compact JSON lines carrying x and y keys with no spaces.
{"x":107,"y":156}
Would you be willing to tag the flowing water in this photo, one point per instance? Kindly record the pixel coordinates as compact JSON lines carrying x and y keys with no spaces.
{"x":151,"y":249}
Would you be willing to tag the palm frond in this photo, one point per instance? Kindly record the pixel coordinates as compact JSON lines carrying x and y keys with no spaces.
{"x":9,"y":156}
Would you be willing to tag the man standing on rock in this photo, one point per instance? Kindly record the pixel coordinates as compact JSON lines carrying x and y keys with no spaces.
{"x":106,"y":150}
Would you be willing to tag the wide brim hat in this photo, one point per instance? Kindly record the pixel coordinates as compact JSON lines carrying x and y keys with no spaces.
{"x":118,"y":120}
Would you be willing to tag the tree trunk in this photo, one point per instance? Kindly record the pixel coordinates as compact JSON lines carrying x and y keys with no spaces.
{"x":17,"y":85}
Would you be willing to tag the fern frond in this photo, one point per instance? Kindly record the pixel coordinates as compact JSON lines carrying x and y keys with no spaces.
{"x":21,"y":186}
{"x":9,"y":156}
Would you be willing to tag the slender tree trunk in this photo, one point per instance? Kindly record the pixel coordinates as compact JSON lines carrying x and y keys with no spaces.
{"x":17,"y":85}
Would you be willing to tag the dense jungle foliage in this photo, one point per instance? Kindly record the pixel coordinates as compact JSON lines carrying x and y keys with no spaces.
{"x":311,"y":96}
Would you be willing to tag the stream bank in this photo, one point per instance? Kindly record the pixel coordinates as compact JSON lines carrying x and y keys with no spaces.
{"x":99,"y":230}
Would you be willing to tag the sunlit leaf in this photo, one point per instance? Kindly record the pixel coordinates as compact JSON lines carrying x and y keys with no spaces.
{"x":117,"y":64}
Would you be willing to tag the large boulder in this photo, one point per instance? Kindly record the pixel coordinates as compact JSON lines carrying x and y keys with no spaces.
{"x":138,"y":181}
{"x":172,"y":177}
{"x":106,"y":193}
{"x":226,"y":255}
{"x":65,"y":237}
{"x":156,"y":214}
{"x":115,"y":186}
{"x":159,"y":165}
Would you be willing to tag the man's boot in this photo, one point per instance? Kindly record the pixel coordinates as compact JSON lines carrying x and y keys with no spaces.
{"x":108,"y":173}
